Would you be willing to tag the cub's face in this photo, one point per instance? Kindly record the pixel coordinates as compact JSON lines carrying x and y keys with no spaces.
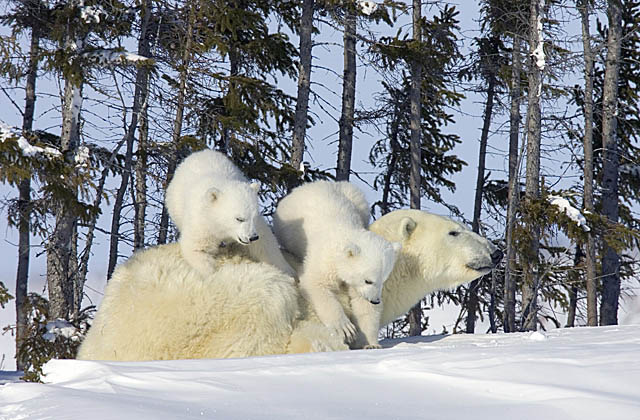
{"x":365,"y":263}
{"x":232,"y":212}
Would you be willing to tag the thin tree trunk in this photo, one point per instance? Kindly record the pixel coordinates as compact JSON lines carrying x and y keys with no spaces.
{"x":532,"y":189}
{"x":393,"y":160}
{"x":472,"y":296}
{"x":142,"y":81}
{"x":590,"y":261}
{"x":574,"y":279}
{"x":24,"y":202}
{"x":304,"y":87}
{"x":59,"y":277}
{"x":177,"y":125}
{"x":611,"y":259}
{"x":345,"y":141}
{"x":415,"y":97}
{"x":509,"y":321}
{"x":139,"y":97}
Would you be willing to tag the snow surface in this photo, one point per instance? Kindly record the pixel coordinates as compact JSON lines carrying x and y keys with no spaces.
{"x":578,"y":373}
{"x":573,"y":213}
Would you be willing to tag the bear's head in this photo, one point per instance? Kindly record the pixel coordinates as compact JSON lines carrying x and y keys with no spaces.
{"x":364,"y":262}
{"x":226,"y":209}
{"x":445,"y":252}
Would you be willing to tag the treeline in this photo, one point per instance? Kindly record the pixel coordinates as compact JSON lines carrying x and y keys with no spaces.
{"x":144,"y":83}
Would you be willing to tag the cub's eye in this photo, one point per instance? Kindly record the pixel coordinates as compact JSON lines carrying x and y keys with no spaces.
{"x":368,"y":281}
{"x":241,"y":219}
{"x":454,"y":233}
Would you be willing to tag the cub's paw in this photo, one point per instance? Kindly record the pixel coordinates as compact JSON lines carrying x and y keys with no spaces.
{"x":345,"y":327}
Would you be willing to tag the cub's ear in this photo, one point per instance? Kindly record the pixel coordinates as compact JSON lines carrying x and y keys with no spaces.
{"x":351,"y":250}
{"x":397,"y":246}
{"x":213,"y":193}
{"x":255,"y":186}
{"x":407,"y":226}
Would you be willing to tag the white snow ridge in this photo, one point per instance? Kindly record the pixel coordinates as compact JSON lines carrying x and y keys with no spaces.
{"x":570,"y":374}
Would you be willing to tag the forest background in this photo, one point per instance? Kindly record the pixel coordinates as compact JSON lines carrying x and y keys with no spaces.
{"x":477,"y":110}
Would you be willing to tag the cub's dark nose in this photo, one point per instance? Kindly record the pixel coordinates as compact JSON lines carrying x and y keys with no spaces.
{"x":375,"y":302}
{"x":496,"y":257}
{"x":256,"y":237}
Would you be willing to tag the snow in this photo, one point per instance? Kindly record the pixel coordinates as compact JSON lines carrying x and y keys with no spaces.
{"x":28,"y":150}
{"x":81,"y":158}
{"x":61,"y":328}
{"x":538,"y":53}
{"x":368,"y":7}
{"x":574,"y":214}
{"x":577,"y":373}
{"x":108,"y":56}
{"x":90,"y":14}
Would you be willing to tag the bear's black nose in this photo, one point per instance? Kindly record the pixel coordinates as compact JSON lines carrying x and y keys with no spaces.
{"x":496,"y":257}
{"x":256,"y":237}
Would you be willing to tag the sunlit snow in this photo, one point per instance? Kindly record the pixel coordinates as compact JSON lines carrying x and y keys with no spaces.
{"x":576,"y":373}
{"x":13,"y":133}
{"x":573,"y":213}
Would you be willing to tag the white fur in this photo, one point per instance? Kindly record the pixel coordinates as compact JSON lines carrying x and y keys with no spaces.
{"x":157,"y":307}
{"x":213,"y":205}
{"x":324,"y":224}
{"x":431,"y":258}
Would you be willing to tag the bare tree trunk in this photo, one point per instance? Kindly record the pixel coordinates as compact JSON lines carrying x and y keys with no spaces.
{"x":304,"y":87}
{"x":177,"y":125}
{"x":574,"y":279}
{"x":611,"y":259}
{"x":509,"y":321}
{"x":415,"y":97}
{"x":590,"y":260}
{"x":24,"y":202}
{"x":59,"y":247}
{"x":345,"y":141}
{"x":139,"y":97}
{"x":532,"y":189}
{"x":472,"y":296}
{"x":142,"y":81}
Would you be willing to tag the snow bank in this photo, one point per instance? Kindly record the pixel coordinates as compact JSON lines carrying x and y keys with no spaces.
{"x":578,"y":373}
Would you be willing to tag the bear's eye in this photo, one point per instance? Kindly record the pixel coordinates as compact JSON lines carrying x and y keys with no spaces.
{"x":368,"y":281}
{"x":454,"y":233}
{"x":241,"y":219}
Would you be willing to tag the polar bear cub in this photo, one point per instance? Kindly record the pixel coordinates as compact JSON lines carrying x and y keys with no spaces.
{"x":213,"y":205}
{"x":324,"y":224}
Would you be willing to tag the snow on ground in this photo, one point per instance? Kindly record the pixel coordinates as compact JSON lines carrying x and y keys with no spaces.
{"x":579,"y":373}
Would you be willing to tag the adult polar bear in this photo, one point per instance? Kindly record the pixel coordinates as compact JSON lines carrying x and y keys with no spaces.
{"x":158,"y":307}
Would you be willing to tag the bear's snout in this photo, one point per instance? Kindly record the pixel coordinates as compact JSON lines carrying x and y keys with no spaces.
{"x":255,"y":237}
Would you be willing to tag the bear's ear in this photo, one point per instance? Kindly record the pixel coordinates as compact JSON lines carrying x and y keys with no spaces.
{"x":255,"y":186}
{"x":213,"y":193}
{"x":351,"y":250}
{"x":407,"y":226}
